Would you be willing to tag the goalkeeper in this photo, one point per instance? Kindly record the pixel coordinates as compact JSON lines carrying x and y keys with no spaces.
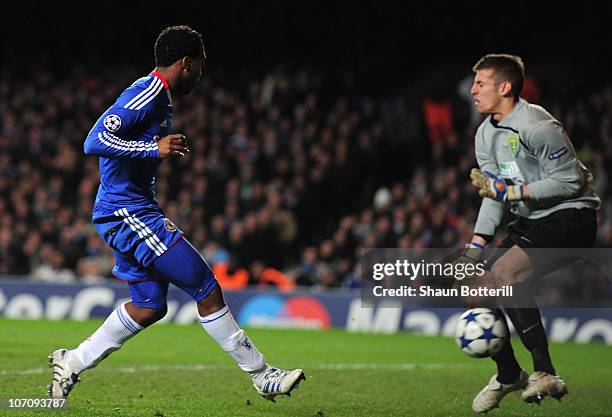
{"x":527,"y":162}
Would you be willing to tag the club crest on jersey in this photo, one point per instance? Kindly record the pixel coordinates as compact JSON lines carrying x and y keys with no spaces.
{"x":171,"y":227}
{"x":513,"y":142}
{"x":112,"y":122}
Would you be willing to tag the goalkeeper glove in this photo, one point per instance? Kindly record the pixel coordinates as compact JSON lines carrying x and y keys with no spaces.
{"x":471,"y":254}
{"x":495,"y":188}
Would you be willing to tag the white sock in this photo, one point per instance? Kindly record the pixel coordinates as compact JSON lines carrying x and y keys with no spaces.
{"x":109,"y":337}
{"x":222,"y":327}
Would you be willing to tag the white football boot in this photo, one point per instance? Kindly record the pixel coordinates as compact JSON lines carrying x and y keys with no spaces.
{"x":64,"y":379}
{"x":492,"y":394}
{"x":541,"y":384}
{"x":275,"y":381}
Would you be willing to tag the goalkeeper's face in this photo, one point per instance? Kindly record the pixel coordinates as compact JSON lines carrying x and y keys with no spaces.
{"x":486,"y":91}
{"x":190,"y":76}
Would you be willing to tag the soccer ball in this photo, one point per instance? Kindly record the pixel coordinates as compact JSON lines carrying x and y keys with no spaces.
{"x":481,"y":332}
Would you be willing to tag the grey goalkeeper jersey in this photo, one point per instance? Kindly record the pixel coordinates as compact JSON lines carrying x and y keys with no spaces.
{"x":529,"y":146}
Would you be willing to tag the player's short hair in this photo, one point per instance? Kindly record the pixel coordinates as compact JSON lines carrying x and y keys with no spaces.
{"x":507,"y":68}
{"x":176,"y":42}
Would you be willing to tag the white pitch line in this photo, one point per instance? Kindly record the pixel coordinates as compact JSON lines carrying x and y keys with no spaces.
{"x":317,"y":367}
{"x":387,"y":366}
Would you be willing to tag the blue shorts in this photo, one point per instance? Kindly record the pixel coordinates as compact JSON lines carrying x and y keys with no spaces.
{"x":151,"y":252}
{"x":137,"y":236}
{"x":182,"y":266}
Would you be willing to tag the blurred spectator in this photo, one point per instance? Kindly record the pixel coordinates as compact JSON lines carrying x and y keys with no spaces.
{"x":51,"y":267}
{"x":89,"y":271}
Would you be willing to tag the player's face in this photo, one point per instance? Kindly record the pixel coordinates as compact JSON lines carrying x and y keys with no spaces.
{"x":486,"y":91}
{"x":191,"y":75}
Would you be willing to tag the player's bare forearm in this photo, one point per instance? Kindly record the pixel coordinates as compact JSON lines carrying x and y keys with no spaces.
{"x":479,"y":239}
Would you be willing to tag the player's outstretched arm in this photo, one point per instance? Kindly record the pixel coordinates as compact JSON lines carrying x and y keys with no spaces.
{"x":104,"y":143}
{"x":109,"y":136}
{"x":116,"y":135}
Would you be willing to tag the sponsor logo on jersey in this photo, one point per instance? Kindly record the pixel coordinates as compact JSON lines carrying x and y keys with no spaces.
{"x":112,"y":122}
{"x":171,"y":227}
{"x":558,"y":153}
{"x":509,"y":169}
{"x":513,"y":142}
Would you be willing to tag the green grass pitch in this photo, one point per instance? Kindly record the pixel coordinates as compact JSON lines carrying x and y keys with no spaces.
{"x":172,"y":370}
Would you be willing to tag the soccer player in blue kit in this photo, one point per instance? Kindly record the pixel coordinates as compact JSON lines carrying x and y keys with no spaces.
{"x":132,"y":138}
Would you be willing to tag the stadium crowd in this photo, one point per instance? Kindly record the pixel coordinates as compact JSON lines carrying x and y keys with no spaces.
{"x":285,"y":183}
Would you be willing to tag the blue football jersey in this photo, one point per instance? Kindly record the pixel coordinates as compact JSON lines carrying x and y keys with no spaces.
{"x":125,"y":138}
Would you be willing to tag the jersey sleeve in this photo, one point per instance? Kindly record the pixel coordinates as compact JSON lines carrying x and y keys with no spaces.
{"x":116,"y":134}
{"x":491,"y":211}
{"x":564,"y":173}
